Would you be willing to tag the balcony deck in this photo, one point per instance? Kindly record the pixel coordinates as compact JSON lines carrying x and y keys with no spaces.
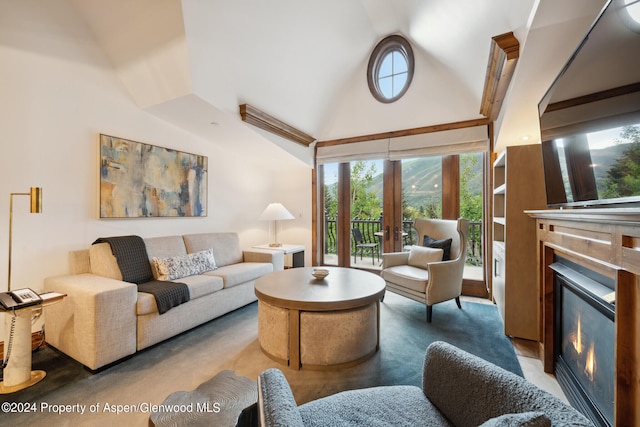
{"x":471,"y":272}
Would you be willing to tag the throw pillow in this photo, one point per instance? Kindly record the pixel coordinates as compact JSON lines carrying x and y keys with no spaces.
{"x":420,"y":256}
{"x":184,"y":265}
{"x":524,"y":419}
{"x":444,"y":244}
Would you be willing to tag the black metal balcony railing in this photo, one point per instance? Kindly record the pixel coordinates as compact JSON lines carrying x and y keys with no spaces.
{"x":369,"y":228}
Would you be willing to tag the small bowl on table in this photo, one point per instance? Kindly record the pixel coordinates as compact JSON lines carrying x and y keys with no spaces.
{"x":320,"y":273}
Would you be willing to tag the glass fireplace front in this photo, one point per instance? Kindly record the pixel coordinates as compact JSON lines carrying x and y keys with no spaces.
{"x":585,"y":334}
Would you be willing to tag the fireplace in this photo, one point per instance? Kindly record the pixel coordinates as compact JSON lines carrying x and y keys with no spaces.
{"x":606,"y":242}
{"x":584,"y":333}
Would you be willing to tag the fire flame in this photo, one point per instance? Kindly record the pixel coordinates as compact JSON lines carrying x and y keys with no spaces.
{"x":576,"y":338}
{"x":590,"y":365}
{"x":590,"y":361}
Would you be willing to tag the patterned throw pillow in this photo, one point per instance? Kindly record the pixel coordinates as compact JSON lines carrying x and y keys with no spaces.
{"x":184,"y":265}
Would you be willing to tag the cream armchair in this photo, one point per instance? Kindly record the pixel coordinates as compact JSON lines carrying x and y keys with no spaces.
{"x":420,"y":273}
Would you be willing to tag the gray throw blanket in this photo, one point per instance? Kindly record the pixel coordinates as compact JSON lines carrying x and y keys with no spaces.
{"x":133,"y":261}
{"x":167,"y":294}
{"x":131,"y":254}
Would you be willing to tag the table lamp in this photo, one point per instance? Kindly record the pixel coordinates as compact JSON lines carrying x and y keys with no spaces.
{"x":275,"y":212}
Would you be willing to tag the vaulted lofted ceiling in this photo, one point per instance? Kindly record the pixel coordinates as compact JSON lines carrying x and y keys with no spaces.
{"x":193,"y":62}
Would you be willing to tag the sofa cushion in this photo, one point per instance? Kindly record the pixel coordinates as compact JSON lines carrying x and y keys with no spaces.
{"x":180,"y":266}
{"x":199,"y":286}
{"x":524,"y":419}
{"x":408,"y":276}
{"x":378,"y":406}
{"x":420,"y":256}
{"x":236,"y":274}
{"x":225,"y":246}
{"x":164,"y":247}
{"x":132,"y":258}
{"x":103,"y":262}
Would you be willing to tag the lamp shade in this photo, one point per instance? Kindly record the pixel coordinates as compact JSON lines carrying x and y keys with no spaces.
{"x":36,"y":199}
{"x":276,"y":212}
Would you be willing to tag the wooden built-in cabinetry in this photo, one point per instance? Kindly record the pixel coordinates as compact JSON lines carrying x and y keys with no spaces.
{"x":606,"y":241}
{"x":518,"y":185}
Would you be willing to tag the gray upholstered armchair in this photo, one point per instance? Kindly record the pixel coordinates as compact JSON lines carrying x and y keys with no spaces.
{"x":458,"y":389}
{"x":431,"y":271}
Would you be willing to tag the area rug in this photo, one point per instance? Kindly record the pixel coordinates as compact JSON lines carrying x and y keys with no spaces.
{"x":217,"y":402}
{"x":404,"y":337}
{"x":61,"y":370}
{"x":476,"y":328}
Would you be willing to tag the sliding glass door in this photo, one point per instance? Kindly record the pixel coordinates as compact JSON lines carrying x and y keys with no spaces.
{"x":421,"y":193}
{"x":366,"y":213}
{"x":471,"y":203}
{"x":330,"y":213}
{"x":369,"y":207}
{"x":353,"y":214}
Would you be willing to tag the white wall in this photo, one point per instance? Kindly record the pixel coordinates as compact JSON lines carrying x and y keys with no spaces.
{"x":58,"y":92}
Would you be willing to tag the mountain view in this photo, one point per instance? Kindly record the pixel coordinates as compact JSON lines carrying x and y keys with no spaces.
{"x":421,"y":182}
{"x":614,"y":161}
{"x":421,"y":197}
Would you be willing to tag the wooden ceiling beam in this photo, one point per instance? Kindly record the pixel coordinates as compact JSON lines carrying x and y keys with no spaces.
{"x":269,"y":123}
{"x":405,"y":132}
{"x":503,"y":56}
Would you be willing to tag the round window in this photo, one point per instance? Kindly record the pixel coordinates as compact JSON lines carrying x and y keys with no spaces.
{"x":390,"y":69}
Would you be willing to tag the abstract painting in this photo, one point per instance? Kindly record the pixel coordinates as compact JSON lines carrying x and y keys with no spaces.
{"x":140,"y":180}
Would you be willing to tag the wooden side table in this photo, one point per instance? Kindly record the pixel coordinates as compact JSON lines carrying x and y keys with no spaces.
{"x":17,"y":375}
{"x":297,"y":252}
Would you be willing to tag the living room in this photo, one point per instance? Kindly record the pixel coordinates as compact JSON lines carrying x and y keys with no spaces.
{"x":140,"y":70}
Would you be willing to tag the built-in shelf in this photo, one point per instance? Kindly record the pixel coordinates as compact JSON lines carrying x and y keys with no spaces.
{"x":500,"y":160}
{"x":517,"y":185}
{"x":499,"y":246}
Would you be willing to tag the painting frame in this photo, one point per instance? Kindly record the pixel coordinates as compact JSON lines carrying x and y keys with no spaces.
{"x":140,"y":180}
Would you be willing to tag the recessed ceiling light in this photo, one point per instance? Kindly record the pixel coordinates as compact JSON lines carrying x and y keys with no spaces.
{"x":524,"y":137}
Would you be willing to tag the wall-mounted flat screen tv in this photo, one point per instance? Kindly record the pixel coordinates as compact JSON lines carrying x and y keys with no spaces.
{"x":590,"y":117}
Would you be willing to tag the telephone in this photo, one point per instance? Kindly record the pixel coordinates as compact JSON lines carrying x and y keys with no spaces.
{"x":19,"y":298}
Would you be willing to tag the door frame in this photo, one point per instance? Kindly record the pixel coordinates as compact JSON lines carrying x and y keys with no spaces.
{"x":392,"y":206}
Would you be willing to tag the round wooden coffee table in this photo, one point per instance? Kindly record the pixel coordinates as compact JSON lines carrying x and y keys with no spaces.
{"x":318,"y":324}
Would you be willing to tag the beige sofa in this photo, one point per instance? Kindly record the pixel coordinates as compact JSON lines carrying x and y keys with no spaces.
{"x":104,"y":319}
